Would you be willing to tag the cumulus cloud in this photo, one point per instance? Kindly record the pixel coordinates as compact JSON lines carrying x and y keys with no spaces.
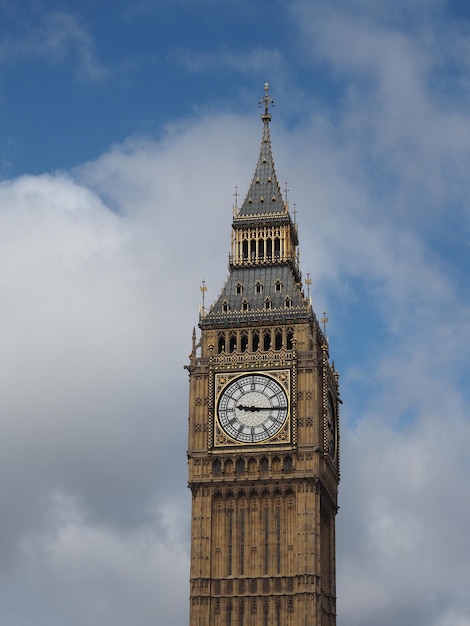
{"x":100,"y":291}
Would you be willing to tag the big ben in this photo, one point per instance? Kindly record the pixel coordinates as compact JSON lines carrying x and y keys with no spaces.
{"x":263,"y":449}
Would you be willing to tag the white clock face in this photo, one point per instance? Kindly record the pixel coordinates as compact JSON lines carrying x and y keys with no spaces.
{"x":252,"y":408}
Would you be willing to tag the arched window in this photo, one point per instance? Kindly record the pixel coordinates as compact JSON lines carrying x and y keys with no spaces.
{"x":245,"y":249}
{"x":233,"y":342}
{"x":278,"y":339}
{"x":244,"y":341}
{"x":245,"y":305}
{"x":269,"y":248}
{"x":221,"y":343}
{"x":225,"y":306}
{"x":290,"y":338}
{"x":258,"y":287}
{"x":268,"y":304}
{"x":255,"y":340}
{"x":266,"y":340}
{"x":288,"y":467}
{"x":239,"y":288}
{"x":253,"y":249}
{"x":287,"y":303}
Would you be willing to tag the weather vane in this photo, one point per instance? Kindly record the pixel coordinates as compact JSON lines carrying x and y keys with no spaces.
{"x":267,"y":100}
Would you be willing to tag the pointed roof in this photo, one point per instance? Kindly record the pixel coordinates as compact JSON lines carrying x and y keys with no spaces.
{"x":264,"y":195}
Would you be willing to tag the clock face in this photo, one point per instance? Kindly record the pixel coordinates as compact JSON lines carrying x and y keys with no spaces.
{"x":331,"y":427}
{"x":252,"y":408}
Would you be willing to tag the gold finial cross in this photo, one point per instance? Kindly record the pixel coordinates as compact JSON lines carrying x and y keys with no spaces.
{"x":267,"y":100}
{"x":324,"y":321}
{"x":308,"y":282}
{"x":203,"y":289}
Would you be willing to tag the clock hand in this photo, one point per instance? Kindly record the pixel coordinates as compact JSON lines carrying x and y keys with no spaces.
{"x":252,"y":408}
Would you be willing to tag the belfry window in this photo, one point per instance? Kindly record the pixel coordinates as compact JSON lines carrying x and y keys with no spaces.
{"x":239,"y":289}
{"x":245,"y":249}
{"x":287,"y":303}
{"x":245,"y":305}
{"x":255,"y":341}
{"x":258,"y":287}
{"x":221,"y":343}
{"x":278,"y":286}
{"x":268,"y":304}
{"x":225,"y":306}
{"x":290,"y":338}
{"x":278,"y":339}
{"x":244,"y":341}
{"x":233,"y":342}
{"x":269,"y":248}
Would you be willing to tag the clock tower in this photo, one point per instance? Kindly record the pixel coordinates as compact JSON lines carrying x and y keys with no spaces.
{"x":263,"y":449}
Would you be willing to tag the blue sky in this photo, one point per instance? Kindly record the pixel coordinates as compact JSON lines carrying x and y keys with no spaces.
{"x":124,"y":129}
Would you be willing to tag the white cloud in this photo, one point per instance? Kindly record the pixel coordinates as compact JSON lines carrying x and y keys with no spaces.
{"x":100,"y":288}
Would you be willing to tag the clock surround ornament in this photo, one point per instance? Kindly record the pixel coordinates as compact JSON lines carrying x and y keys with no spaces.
{"x":252,"y":408}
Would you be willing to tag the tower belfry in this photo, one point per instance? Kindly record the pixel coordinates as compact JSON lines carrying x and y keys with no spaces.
{"x":263,"y":449}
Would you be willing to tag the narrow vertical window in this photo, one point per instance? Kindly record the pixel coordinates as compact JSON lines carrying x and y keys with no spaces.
{"x":230,"y":545}
{"x":266,"y":540}
{"x":233,"y":342}
{"x":242,"y":542}
{"x":266,"y":340}
{"x":278,"y":539}
{"x":266,"y":616}
{"x":278,"y":614}
{"x":241,"y":613}
{"x":278,"y":339}
{"x":221,"y":343}
{"x":245,"y":249}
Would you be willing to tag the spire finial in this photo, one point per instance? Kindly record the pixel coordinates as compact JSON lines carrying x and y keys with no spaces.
{"x":267,"y":100}
{"x":308,"y":282}
{"x":324,"y":320}
{"x":203,"y":289}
